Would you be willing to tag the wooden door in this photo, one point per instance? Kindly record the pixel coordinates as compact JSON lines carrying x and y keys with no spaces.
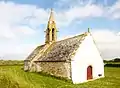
{"x":89,"y":72}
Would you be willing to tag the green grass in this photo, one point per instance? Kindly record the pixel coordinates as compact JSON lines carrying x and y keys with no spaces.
{"x":15,"y":77}
{"x":111,"y":62}
{"x":11,"y":62}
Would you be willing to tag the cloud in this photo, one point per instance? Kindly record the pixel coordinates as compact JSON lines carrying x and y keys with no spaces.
{"x":5,"y":32}
{"x":70,"y":3}
{"x":108,"y":43}
{"x":19,"y":22}
{"x":66,"y":17}
{"x":118,"y":34}
{"x":84,"y":12}
{"x":78,"y":9}
{"x":23,"y":30}
{"x":114,"y":11}
{"x":16,"y":50}
{"x":87,"y":8}
{"x":10,"y":16}
{"x":106,"y":36}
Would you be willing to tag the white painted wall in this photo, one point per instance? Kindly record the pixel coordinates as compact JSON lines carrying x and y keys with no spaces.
{"x":87,"y":54}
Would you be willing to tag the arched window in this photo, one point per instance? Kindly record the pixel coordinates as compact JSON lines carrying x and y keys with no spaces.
{"x":48,"y":33}
{"x":53,"y":34}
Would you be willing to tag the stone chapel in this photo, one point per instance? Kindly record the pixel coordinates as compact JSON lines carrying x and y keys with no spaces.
{"x":76,"y":58}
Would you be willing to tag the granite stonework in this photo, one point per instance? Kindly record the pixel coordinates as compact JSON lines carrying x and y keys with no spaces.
{"x":54,"y":58}
{"x":58,"y":69}
{"x":26,"y":65}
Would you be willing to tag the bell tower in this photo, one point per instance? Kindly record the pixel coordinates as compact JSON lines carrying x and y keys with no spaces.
{"x":51,"y":31}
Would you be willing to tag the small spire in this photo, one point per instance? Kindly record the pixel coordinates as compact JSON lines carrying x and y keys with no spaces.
{"x":51,"y":15}
{"x":51,"y":31}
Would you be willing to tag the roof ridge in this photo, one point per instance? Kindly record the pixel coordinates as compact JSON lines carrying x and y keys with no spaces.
{"x":72,"y":37}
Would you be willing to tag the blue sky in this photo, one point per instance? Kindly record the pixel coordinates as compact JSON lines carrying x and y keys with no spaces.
{"x":40,"y":3}
{"x":23,"y":23}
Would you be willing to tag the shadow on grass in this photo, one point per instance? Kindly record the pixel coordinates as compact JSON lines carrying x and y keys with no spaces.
{"x":52,"y":76}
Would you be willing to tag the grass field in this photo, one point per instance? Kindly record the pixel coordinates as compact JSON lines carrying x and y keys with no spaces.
{"x":15,"y":77}
{"x":11,"y":62}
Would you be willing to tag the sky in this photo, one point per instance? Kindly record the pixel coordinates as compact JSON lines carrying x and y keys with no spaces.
{"x":23,"y":22}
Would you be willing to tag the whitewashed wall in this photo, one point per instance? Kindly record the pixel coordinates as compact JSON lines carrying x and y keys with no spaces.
{"x":86,"y":55}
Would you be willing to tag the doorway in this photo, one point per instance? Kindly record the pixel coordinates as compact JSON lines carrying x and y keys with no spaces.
{"x":89,"y":72}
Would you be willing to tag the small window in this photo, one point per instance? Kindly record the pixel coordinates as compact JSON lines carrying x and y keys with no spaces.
{"x":99,"y":75}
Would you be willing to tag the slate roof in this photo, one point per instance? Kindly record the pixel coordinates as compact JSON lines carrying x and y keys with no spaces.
{"x":62,"y":50}
{"x":35,"y":52}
